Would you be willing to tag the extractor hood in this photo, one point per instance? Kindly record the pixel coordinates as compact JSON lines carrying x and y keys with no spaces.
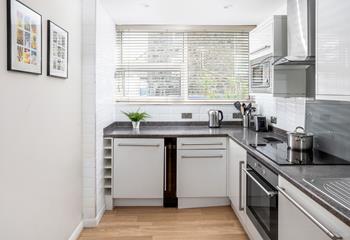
{"x":301,"y":33}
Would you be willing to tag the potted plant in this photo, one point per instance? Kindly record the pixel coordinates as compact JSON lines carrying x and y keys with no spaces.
{"x":136,"y":117}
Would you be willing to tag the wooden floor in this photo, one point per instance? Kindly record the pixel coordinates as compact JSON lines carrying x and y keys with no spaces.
{"x":155,"y":223}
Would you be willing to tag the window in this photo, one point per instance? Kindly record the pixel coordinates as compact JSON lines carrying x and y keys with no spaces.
{"x":181,"y":66}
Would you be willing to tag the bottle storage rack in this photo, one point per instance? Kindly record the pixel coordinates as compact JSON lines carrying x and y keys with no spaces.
{"x":108,"y":171}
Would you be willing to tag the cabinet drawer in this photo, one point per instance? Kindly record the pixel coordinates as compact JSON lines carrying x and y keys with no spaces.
{"x":201,"y":173}
{"x":201,"y":143}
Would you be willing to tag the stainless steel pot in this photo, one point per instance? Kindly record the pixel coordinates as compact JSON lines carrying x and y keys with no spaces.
{"x":299,"y":140}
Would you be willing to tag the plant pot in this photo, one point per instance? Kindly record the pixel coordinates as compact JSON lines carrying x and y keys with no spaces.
{"x":136,"y":125}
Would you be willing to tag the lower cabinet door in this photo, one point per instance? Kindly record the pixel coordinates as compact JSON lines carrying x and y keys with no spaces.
{"x":138,"y":168}
{"x":294,"y":223}
{"x":238,"y":195}
{"x":201,"y":173}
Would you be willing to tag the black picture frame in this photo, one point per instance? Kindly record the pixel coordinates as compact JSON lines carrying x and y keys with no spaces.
{"x":50,"y":72}
{"x":10,"y":53}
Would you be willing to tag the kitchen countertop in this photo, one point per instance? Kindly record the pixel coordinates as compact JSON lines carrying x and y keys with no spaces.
{"x":244,"y":137}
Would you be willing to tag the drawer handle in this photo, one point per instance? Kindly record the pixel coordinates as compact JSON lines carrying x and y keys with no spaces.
{"x":329,"y":233}
{"x":202,"y":144}
{"x":214,"y":156}
{"x":137,"y":145}
{"x":260,"y":49}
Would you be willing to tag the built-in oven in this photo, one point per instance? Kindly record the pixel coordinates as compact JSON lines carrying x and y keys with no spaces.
{"x":262,"y":198}
{"x":261,"y":74}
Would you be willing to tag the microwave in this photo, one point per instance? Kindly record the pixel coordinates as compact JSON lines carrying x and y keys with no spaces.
{"x":261,"y":74}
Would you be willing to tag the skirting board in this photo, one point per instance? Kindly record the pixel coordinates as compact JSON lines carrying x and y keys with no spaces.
{"x":93,"y":222}
{"x":76,"y":233}
{"x":203,"y":202}
{"x":131,"y":202}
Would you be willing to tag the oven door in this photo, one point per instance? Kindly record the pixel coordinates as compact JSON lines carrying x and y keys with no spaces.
{"x":262,"y":205}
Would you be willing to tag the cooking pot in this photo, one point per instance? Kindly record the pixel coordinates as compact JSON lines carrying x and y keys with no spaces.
{"x":299,"y":140}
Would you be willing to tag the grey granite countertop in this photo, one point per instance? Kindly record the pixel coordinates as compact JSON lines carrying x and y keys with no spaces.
{"x":244,"y":137}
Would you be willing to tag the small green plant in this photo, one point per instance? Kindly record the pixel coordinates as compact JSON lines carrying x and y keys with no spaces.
{"x":136,"y":116}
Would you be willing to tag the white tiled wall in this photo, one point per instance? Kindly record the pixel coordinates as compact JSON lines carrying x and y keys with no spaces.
{"x":89,"y":108}
{"x":290,"y":112}
{"x":173,"y":112}
{"x":105,"y":67}
{"x":98,"y":109}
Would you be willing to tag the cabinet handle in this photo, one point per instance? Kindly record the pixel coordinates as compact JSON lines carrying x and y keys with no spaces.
{"x":137,"y":145}
{"x":202,"y":144}
{"x":165,"y":170}
{"x":329,"y":233}
{"x":260,"y":49}
{"x":214,"y":156}
{"x":241,"y":208}
{"x":268,"y":193}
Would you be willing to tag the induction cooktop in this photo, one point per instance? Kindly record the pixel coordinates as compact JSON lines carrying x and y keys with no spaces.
{"x":280,"y":154}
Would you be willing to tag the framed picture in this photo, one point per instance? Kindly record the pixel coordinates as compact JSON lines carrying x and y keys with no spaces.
{"x":57,"y":54}
{"x":24,"y":35}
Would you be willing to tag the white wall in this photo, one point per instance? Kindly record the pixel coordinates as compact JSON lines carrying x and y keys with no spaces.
{"x":98,"y":65}
{"x":173,"y":112}
{"x":40,"y":140}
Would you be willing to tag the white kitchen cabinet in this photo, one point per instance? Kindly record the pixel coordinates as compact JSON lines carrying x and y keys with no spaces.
{"x":294,"y":224}
{"x":237,"y":161}
{"x":270,"y":37}
{"x":138,"y":168}
{"x":201,"y":173}
{"x":332,"y":50}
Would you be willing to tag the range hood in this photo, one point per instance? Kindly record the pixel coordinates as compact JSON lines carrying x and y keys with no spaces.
{"x":301,"y":33}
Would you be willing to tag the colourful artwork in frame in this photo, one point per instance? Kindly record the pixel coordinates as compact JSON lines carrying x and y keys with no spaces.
{"x":24,"y":36}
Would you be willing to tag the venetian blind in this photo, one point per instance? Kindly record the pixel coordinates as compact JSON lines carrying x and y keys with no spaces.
{"x":181,"y":66}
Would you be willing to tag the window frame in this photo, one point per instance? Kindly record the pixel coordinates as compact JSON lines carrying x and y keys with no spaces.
{"x":183,"y":99}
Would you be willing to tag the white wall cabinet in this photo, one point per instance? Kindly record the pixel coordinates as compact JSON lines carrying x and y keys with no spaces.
{"x":270,"y":37}
{"x":332,"y":50}
{"x":294,"y":224}
{"x":138,"y":168}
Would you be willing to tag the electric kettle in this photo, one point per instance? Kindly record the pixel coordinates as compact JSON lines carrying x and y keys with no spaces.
{"x":215,"y":118}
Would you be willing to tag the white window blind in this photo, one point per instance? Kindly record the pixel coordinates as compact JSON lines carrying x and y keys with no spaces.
{"x":181,"y":66}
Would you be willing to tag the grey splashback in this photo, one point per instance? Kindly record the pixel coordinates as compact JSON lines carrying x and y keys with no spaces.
{"x":330,"y":122}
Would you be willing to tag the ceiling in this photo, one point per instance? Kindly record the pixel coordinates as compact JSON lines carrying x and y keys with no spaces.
{"x":192,"y":12}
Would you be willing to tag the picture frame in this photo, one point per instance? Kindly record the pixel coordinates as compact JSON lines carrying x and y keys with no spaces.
{"x":24,"y":38}
{"x":57,"y":50}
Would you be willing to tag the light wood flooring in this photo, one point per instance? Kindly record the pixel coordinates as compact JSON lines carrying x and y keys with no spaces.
{"x":156,"y":223}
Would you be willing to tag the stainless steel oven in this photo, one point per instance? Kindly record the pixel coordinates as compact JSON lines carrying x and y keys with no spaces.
{"x":261,"y":74}
{"x":262,"y":198}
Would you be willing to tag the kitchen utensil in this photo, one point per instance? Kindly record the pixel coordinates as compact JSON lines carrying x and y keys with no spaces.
{"x":245,"y":121}
{"x":237,"y":105}
{"x":244,"y":108}
{"x":215,"y":118}
{"x":300,"y":140}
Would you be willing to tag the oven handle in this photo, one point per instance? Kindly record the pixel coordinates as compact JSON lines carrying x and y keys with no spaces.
{"x":268,"y":193}
{"x":331,"y":235}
